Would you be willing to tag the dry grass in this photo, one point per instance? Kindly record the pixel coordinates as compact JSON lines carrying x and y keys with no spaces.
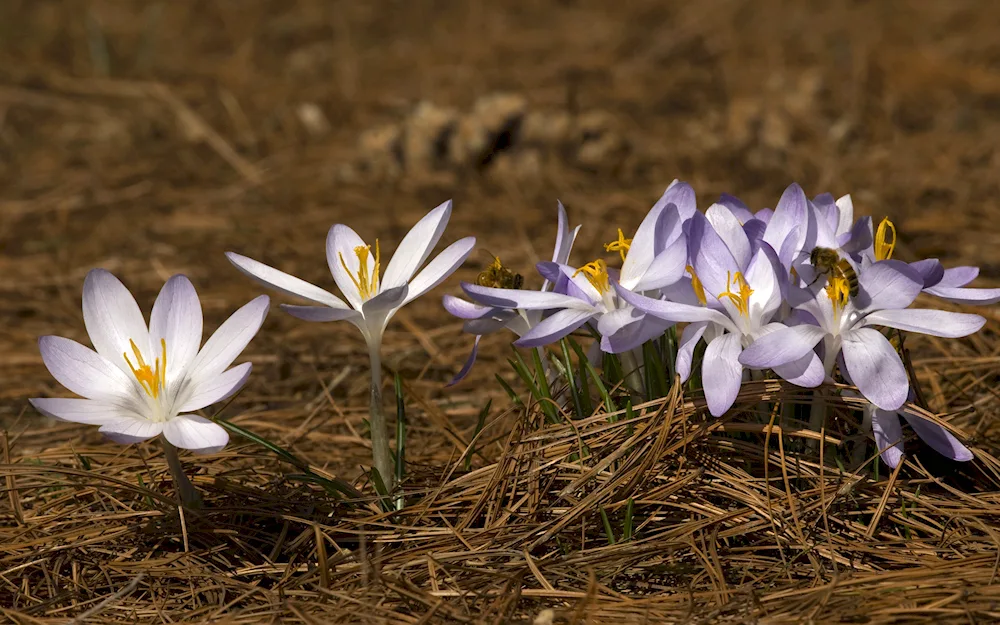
{"x":150,"y":138}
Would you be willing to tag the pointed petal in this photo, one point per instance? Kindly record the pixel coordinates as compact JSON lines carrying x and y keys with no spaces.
{"x":736,"y":206}
{"x":730,"y":230}
{"x":722,"y":373}
{"x":712,"y":259}
{"x":938,"y":438}
{"x":341,"y":243}
{"x":666,"y":268}
{"x":222,"y":348}
{"x":84,"y":371}
{"x":888,"y":436}
{"x":782,"y":346}
{"x":467,"y":367}
{"x":177,"y":320}
{"x":554,"y":327}
{"x":958,"y":276}
{"x":127,"y":430}
{"x":207,"y":391}
{"x":959,"y":295}
{"x":443,"y":265}
{"x":321,"y":313}
{"x":685,"y":348}
{"x":465,"y":310}
{"x":113,"y":319}
{"x":928,"y":321}
{"x":524,"y":299}
{"x":416,"y":246}
{"x":789,"y":213}
{"x":875,"y":368}
{"x":643,"y":248}
{"x":845,"y":214}
{"x":859,"y":238}
{"x":189,"y":431}
{"x":385,"y":301}
{"x":888,"y":284}
{"x":625,"y":334}
{"x":672,"y":311}
{"x":88,"y":411}
{"x":284,"y":283}
{"x":564,"y":238}
{"x":806,"y":372}
{"x":930,"y":269}
{"x":681,"y":195}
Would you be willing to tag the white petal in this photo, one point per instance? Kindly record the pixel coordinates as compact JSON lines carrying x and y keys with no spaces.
{"x":176,"y":319}
{"x":321,"y":313}
{"x":84,"y":371}
{"x":229,"y":340}
{"x":524,"y":299}
{"x":88,"y":411}
{"x":928,"y":321}
{"x":283,"y":282}
{"x":113,"y":319}
{"x":729,"y":229}
{"x":207,"y":391}
{"x":341,"y":242}
{"x":127,"y":430}
{"x":416,"y":246}
{"x":443,"y":265}
{"x":189,"y":431}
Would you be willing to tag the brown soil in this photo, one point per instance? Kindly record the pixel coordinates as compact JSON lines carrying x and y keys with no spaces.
{"x":149,"y":138}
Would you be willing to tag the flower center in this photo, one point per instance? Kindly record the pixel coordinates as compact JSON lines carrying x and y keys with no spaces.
{"x":366,"y":284}
{"x":885,"y":240}
{"x":699,"y":290}
{"x":741,"y":298}
{"x":621,"y":245}
{"x":839,"y":291}
{"x":153,"y":378}
{"x":597,"y":274}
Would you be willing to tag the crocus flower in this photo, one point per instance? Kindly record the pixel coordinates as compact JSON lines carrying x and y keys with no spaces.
{"x":372,"y":297}
{"x":844,"y":325}
{"x":740,"y":292}
{"x":653,"y":259}
{"x":481,"y":320}
{"x":140,"y":382}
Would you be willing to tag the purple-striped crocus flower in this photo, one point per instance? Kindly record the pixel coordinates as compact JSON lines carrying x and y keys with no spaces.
{"x":653,"y":259}
{"x":481,"y":320}
{"x":844,"y":325}
{"x":740,"y":292}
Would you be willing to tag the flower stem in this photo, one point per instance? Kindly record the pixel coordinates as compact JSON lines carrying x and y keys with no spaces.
{"x":380,"y":440}
{"x":630,"y":367}
{"x":186,"y":492}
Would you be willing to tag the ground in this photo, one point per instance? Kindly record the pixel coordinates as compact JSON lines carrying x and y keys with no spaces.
{"x":149,"y":138}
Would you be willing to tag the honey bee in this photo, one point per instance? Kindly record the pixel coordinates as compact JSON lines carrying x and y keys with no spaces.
{"x":828,"y":262}
{"x":498,"y":276}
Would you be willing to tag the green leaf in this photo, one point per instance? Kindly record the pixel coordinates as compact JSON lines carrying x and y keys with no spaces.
{"x":607,"y":526}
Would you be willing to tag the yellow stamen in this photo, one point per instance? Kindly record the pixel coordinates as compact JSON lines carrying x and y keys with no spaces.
{"x":366,"y":284}
{"x":597,"y":274}
{"x":741,"y":299}
{"x":839,"y":291}
{"x":621,"y":245}
{"x":885,"y":240}
{"x":151,"y":379}
{"x":699,"y":290}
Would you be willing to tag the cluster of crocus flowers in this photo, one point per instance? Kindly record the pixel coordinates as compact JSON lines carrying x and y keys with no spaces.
{"x":804,"y":291}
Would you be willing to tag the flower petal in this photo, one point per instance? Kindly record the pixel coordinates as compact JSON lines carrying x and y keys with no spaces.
{"x":859,"y":238}
{"x":782,"y":346}
{"x":681,"y":195}
{"x":788,"y":214}
{"x":416,"y":246}
{"x":633,"y":334}
{"x":467,"y":367}
{"x":207,"y":391}
{"x":524,"y":299}
{"x":189,"y":431}
{"x":321,"y":313}
{"x":736,"y":206}
{"x":88,"y":411}
{"x":387,"y":300}
{"x":806,"y":372}
{"x":875,"y":368}
{"x":888,"y":284}
{"x":113,"y":319}
{"x":127,"y":430}
{"x":927,"y":321}
{"x":84,"y":371}
{"x":666,"y":268}
{"x":443,"y":265}
{"x":958,"y":276}
{"x":888,"y":435}
{"x":713,"y":261}
{"x":930,"y":270}
{"x":845,"y":214}
{"x":564,"y":238}
{"x":685,"y":348}
{"x":465,"y":310}
{"x":972,"y":297}
{"x":341,"y":243}
{"x":938,"y":438}
{"x":177,"y":320}
{"x":722,"y":373}
{"x":222,"y":348}
{"x":283,"y":282}
{"x":554,"y":327}
{"x":643,"y":247}
{"x":730,"y":230}
{"x":672,"y":311}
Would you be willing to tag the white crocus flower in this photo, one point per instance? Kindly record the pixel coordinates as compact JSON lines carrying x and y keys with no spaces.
{"x":372,"y":299}
{"x":142,"y":382}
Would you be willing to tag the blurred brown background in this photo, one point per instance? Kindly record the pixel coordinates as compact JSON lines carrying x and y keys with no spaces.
{"x":149,"y":137}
